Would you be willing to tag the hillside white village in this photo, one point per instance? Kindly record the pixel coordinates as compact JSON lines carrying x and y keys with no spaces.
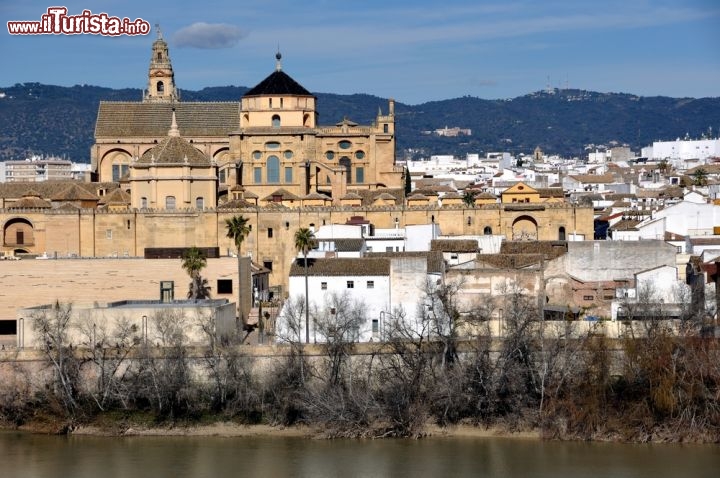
{"x":604,"y":242}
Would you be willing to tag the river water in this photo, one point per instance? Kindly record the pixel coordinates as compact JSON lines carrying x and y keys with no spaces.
{"x":39,"y":456}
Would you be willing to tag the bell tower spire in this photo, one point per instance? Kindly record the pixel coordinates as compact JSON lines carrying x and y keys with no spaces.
{"x":161,"y":79}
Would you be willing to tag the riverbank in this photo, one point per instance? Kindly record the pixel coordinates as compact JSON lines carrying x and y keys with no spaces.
{"x":137,"y":425}
{"x":229,"y":429}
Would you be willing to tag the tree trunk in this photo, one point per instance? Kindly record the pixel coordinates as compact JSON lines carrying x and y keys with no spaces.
{"x":307,"y":304}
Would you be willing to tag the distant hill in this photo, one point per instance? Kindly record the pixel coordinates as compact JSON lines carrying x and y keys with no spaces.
{"x":46,"y":119}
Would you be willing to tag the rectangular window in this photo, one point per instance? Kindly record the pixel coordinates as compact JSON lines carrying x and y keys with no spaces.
{"x":385,"y":128}
{"x":350,"y":284}
{"x":588,"y":297}
{"x":221,"y":177}
{"x":118,"y":171}
{"x":224,"y":286}
{"x":267,"y":265}
{"x":370,"y":284}
{"x":359,"y":175}
{"x":257,"y":173}
{"x":270,"y":233}
{"x":323,"y":285}
{"x":19,"y":237}
{"x":199,"y":203}
{"x":288,"y":175}
{"x":143,"y":203}
{"x":375,"y":326}
{"x":170,"y":202}
{"x":108,"y":233}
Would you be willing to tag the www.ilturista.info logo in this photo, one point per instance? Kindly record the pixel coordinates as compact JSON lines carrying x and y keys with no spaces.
{"x":57,"y":22}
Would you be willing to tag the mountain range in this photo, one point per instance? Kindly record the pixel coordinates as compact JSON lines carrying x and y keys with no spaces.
{"x":56,"y":120}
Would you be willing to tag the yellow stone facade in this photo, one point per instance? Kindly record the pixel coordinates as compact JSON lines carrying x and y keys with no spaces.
{"x":235,"y":157}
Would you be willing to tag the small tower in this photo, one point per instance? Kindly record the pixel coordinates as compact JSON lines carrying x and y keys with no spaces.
{"x":161,"y":79}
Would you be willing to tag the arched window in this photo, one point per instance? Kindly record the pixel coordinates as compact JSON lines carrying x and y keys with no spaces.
{"x":561,"y":233}
{"x":160,"y":87}
{"x":276,"y":121}
{"x":347,"y":164}
{"x":273,"y":169}
{"x":159,"y":56}
{"x":170,"y":202}
{"x":199,"y":203}
{"x":487,"y":231}
{"x":143,"y":203}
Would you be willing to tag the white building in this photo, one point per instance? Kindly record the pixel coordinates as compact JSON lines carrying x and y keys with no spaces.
{"x":683,"y":149}
{"x":382,"y":287}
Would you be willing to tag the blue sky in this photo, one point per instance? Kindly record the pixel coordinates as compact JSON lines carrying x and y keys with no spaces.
{"x":412,"y":51}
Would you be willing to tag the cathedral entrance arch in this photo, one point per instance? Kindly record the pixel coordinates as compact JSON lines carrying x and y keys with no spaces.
{"x":114,"y":165}
{"x":18,"y":233}
{"x":524,"y":228}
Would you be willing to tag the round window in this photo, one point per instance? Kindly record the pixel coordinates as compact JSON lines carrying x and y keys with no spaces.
{"x":344,"y":144}
{"x":257,"y":155}
{"x":360,"y":155}
{"x":288,"y":154}
{"x":330,"y":155}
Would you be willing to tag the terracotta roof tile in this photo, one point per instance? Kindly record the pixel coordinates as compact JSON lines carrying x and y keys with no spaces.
{"x":173,"y":150}
{"x":143,"y":120}
{"x":364,"y":266}
{"x":454,"y":245}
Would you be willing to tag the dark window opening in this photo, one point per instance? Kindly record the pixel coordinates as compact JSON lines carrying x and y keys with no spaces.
{"x":267,"y":265}
{"x":224,"y":286}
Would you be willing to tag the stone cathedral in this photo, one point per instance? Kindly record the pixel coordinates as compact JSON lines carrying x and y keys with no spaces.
{"x":171,"y":154}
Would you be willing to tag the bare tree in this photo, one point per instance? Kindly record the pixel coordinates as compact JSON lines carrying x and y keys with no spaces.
{"x":233,"y":387}
{"x":52,"y":327}
{"x":109,"y":355}
{"x":162,"y":378}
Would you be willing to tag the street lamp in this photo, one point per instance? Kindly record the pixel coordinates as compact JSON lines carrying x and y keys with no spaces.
{"x":501,"y":326}
{"x":144,"y":329}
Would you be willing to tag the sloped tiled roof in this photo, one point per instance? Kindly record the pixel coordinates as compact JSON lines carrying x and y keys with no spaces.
{"x":74,"y":193}
{"x":278,"y":83}
{"x":118,"y":196}
{"x":48,"y":189}
{"x":454,"y":245}
{"x":30,"y":202}
{"x":348,"y":245}
{"x":174,"y":150}
{"x":316,"y":195}
{"x":369,"y":195}
{"x":549,"y":249}
{"x":148,"y":120}
{"x":284,"y":193}
{"x":236,"y":204}
{"x":510,"y":261}
{"x":626,"y":225}
{"x":364,"y":266}
{"x":386,"y":197}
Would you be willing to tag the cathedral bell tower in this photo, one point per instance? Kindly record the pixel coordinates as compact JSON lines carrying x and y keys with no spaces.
{"x":161,"y":79}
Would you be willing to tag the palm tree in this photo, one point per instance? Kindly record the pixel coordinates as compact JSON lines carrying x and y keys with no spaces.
{"x":303,"y":243}
{"x":238,"y":229}
{"x":469,"y":198}
{"x":193,"y":262}
{"x":700,"y":177}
